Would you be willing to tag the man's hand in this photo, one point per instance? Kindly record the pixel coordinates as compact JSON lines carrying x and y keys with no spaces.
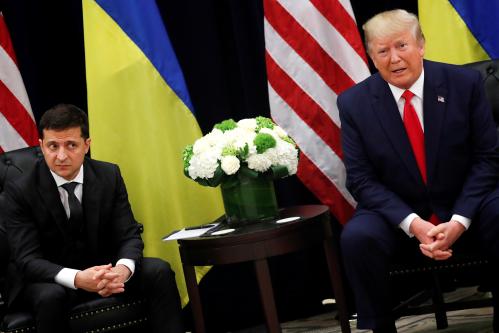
{"x":113,"y":281}
{"x":445,"y":235}
{"x":425,"y":232}
{"x":91,"y":278}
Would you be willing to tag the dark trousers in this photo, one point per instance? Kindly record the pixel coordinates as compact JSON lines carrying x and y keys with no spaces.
{"x":370,"y":245}
{"x":154,"y":281}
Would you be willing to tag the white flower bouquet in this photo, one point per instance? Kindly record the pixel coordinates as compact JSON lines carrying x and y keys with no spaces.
{"x":250,"y":146}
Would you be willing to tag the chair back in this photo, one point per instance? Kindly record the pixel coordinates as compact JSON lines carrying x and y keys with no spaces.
{"x":490,"y":73}
{"x":12,"y":165}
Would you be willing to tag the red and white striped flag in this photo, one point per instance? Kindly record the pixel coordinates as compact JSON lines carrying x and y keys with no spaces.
{"x":313,"y":53}
{"x":17,"y":124}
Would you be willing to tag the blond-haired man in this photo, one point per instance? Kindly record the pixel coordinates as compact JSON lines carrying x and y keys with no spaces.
{"x":420,"y":145}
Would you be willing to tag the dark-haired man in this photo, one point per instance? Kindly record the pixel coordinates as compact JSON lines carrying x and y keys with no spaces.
{"x":72,"y":234}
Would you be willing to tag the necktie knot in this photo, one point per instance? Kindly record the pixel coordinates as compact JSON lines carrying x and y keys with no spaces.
{"x":70,"y":187}
{"x":408,"y":95}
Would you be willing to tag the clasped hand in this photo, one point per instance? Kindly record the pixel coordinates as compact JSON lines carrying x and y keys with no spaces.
{"x":104,"y":279}
{"x":436,"y":240}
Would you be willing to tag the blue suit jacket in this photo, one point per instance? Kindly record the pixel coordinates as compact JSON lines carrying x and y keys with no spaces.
{"x":460,"y":144}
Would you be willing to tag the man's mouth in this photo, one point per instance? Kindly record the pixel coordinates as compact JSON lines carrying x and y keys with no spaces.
{"x":398,"y":71}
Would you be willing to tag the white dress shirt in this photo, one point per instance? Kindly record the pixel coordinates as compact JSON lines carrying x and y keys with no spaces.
{"x":66,"y":276}
{"x":417,"y":103}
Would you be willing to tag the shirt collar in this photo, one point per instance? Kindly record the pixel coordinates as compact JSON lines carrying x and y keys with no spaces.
{"x":416,"y":88}
{"x":61,"y":181}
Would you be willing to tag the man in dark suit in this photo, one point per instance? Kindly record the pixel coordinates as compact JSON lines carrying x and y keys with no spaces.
{"x":72,"y":234}
{"x":419,"y":146}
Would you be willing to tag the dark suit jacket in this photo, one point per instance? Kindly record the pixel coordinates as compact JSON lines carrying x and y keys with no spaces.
{"x":460,"y":144}
{"x":39,"y":237}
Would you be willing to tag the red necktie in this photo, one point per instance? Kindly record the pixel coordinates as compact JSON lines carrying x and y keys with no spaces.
{"x":416,"y":137}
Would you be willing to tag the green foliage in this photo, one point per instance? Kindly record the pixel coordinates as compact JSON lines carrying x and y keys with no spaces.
{"x":264,"y":122}
{"x":226,"y":125}
{"x":229,"y":151}
{"x":186,"y":156}
{"x":264,"y":141}
{"x":289,"y":140}
{"x":243,"y":152}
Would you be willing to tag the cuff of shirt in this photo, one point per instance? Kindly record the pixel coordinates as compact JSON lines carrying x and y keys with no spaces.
{"x":466,"y":222}
{"x":128,"y":263}
{"x":405,"y":225}
{"x":66,"y":277}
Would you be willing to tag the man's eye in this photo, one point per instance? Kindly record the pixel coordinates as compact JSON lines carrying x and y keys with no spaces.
{"x":52,"y":147}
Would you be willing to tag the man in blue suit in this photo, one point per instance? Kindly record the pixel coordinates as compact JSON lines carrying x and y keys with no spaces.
{"x":419,"y":146}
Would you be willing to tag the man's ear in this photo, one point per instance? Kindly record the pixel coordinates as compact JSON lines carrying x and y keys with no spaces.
{"x":87,"y":145}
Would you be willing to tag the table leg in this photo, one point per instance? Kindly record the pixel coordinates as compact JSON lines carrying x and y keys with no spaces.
{"x":336,"y":277}
{"x":195,"y":299}
{"x":267,"y":296}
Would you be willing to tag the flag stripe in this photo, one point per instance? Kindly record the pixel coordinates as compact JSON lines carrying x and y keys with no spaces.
{"x":448,"y":38}
{"x":5,"y":41}
{"x":303,"y":105}
{"x":17,"y":124}
{"x":337,"y":15}
{"x":306,"y":46}
{"x":20,"y":120}
{"x":310,"y":144}
{"x":313,"y":53}
{"x":323,"y":189}
{"x":334,"y":44}
{"x":9,"y":137}
{"x":304,"y":76}
{"x":11,"y":77}
{"x":141,"y":21}
{"x":481,"y":18}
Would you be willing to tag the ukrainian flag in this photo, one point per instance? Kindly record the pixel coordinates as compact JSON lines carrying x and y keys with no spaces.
{"x":460,"y":31}
{"x":141,"y":118}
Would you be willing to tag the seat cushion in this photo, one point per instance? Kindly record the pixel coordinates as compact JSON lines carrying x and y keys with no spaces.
{"x":99,"y":315}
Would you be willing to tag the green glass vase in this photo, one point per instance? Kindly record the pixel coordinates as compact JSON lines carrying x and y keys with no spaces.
{"x":249,"y":199}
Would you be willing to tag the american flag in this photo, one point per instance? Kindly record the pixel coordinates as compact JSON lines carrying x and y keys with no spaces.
{"x":313,"y":53}
{"x":17,"y":124}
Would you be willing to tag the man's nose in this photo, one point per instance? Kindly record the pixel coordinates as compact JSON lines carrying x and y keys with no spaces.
{"x":394,"y":56}
{"x":61,"y":154}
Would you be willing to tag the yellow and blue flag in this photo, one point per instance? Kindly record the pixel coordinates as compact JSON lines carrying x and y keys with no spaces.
{"x":141,"y":118}
{"x":460,"y":31}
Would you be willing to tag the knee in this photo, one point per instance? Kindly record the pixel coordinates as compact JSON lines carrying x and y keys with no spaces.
{"x":157,"y":270}
{"x":48,"y":296}
{"x":361,"y":237}
{"x":354,"y":238}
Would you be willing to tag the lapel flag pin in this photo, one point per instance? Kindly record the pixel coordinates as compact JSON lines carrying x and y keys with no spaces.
{"x":441,"y":99}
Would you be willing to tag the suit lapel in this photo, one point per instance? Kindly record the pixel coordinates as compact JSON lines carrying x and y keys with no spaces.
{"x":389,"y":117}
{"x":50,"y":195}
{"x":92,"y":195}
{"x":434,"y":111}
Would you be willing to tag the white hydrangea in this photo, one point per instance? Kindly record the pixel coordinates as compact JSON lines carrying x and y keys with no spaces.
{"x":204,"y":165}
{"x":230,"y":164}
{"x":259,"y":162}
{"x":201,"y":146}
{"x":248,"y":124}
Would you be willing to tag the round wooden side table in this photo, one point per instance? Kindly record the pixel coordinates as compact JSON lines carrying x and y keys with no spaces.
{"x":258,"y":242}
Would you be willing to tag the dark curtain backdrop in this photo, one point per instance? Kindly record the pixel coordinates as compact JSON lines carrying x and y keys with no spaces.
{"x":219,"y":44}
